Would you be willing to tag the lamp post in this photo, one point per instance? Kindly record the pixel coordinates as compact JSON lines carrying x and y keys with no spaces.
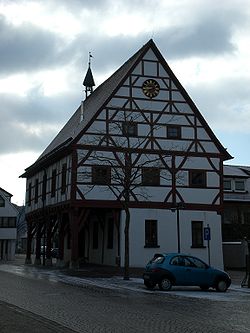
{"x":177,"y":208}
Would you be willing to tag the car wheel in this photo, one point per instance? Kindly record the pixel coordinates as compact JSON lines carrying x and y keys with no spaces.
{"x":204,"y":288}
{"x":149,"y":285}
{"x":165,"y":284}
{"x":221,"y":285}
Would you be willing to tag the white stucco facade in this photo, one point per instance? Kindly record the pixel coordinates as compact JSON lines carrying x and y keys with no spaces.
{"x":167,"y":235}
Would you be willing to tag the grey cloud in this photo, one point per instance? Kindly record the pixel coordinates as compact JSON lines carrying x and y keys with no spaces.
{"x":225,"y":104}
{"x":210,"y":38}
{"x":27,"y":48}
{"x":49,"y":114}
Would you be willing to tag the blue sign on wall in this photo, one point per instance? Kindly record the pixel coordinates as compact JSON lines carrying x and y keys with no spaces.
{"x":207,"y":233}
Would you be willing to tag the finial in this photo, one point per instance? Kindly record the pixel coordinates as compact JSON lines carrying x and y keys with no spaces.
{"x":90,"y":56}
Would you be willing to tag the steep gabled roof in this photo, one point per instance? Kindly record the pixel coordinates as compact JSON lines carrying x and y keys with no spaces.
{"x":77,"y":124}
{"x":92,"y":104}
{"x":5,"y":192}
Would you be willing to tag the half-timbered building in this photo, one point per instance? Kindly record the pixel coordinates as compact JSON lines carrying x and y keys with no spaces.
{"x":136,"y":147}
{"x":8,"y":217}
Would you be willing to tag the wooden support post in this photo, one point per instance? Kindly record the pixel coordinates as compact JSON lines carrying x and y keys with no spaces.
{"x":74,"y":262}
{"x":28,"y":260}
{"x":48,"y":261}
{"x":61,"y":235}
{"x":38,"y":245}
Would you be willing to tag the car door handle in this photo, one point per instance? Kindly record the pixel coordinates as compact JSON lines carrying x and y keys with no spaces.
{"x":188,"y":269}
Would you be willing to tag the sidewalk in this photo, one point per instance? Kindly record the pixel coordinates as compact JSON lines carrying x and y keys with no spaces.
{"x":105,"y":276}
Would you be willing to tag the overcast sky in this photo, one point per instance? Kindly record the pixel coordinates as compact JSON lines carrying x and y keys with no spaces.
{"x":44,"y":49}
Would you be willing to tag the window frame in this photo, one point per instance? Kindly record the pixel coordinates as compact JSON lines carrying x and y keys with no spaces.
{"x":44,"y":187}
{"x":95,"y":179}
{"x":203,"y":184}
{"x":36,"y":190}
{"x":64,"y":178}
{"x":197,"y":232}
{"x":170,"y":134}
{"x":151,"y":233}
{"x":29,"y":194}
{"x":239,"y":181}
{"x":147,"y":179}
{"x":53,"y":183}
{"x":227,"y":180}
{"x":127,"y":126}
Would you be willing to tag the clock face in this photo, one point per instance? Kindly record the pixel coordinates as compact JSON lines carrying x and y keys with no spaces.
{"x":150,"y":88}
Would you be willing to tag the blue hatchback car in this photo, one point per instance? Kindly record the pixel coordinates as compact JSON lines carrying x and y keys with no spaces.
{"x":175,"y":269}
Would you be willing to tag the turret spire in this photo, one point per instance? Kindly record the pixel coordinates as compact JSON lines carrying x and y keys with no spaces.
{"x":88,"y":81}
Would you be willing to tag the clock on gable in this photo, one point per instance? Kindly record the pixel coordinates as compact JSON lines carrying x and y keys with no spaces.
{"x":150,"y":88}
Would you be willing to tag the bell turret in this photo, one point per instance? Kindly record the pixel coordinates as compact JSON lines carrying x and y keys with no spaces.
{"x":88,"y":81}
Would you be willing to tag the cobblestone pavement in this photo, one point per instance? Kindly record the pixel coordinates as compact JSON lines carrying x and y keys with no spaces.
{"x":89,"y":307}
{"x":16,"y":320}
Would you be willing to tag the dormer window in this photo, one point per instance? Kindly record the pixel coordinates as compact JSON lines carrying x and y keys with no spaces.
{"x":227,"y":185}
{"x":239,"y":185}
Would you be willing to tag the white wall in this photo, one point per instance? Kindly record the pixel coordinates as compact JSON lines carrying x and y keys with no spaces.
{"x":167,"y":235}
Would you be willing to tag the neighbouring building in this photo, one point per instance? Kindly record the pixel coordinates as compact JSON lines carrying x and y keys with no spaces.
{"x":8,"y":216}
{"x":21,"y":225}
{"x":136,"y":142}
{"x":236,"y":215}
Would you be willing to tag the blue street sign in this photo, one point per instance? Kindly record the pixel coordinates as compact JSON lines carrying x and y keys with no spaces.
{"x":207,"y":233}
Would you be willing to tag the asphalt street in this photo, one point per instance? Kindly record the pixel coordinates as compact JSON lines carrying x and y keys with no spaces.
{"x":40,"y":300}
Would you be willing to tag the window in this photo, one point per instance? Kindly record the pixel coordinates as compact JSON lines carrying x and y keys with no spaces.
{"x":110,"y":234}
{"x":129,"y":128}
{"x":197,"y":178}
{"x":173,"y":132}
{"x":2,"y":202}
{"x":36,"y":191}
{"x":150,"y":176}
{"x":7,"y":222}
{"x":239,"y":185}
{"x":29,"y":195}
{"x":53,"y":183}
{"x":63,"y":178}
{"x":197,"y":234}
{"x":101,"y":175}
{"x":227,"y":184}
{"x":95,"y":235}
{"x":44,"y":189}
{"x":197,"y":263}
{"x":151,"y":233}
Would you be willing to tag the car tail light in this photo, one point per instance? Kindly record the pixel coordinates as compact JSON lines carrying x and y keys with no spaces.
{"x":155,"y":270}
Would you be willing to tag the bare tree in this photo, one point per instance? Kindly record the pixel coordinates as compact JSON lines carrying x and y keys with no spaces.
{"x":126,"y":156}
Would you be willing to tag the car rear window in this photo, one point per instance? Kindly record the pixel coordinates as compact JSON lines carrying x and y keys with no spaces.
{"x":157,"y":259}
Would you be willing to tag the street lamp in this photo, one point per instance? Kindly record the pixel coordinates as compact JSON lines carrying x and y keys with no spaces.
{"x":178,"y":206}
